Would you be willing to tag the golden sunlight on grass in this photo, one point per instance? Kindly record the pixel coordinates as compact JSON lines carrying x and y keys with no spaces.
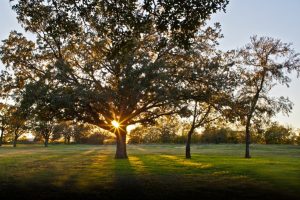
{"x":83,"y":171}
{"x":138,"y":165}
{"x":185,"y":162}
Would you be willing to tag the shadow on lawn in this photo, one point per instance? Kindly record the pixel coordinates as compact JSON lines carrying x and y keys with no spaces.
{"x":96,"y":175}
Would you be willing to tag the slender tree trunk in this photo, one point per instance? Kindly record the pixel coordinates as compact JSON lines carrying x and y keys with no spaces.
{"x":249,"y":116}
{"x":15,"y":140}
{"x":189,"y":136}
{"x":121,"y":152}
{"x":1,"y":137}
{"x":46,"y":141}
{"x":68,"y":140}
{"x":248,"y":139}
{"x":188,"y":144}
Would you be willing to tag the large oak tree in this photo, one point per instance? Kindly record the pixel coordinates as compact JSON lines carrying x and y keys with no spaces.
{"x":105,"y":61}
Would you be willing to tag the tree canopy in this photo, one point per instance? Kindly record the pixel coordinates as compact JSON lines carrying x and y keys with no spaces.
{"x":99,"y":61}
{"x":118,"y":63}
{"x":262,"y":64}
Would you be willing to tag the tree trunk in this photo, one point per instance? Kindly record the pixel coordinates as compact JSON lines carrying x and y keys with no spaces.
{"x":67,"y":139}
{"x":121,"y":152}
{"x":15,"y":141}
{"x":249,"y":116}
{"x":46,"y":141}
{"x":189,"y":136}
{"x":1,"y":137}
{"x":188,"y":144}
{"x":247,"y":139}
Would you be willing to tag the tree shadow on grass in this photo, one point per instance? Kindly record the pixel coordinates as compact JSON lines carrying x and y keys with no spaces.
{"x":55,"y":177}
{"x":168,"y":177}
{"x":94,"y":174}
{"x":127,"y":184}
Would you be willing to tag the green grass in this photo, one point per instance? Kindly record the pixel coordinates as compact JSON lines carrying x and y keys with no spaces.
{"x":151,"y":172}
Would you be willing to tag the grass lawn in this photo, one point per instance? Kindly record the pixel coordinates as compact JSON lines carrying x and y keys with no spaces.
{"x":151,"y":172}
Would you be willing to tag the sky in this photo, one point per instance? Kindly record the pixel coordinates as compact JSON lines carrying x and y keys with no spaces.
{"x":274,"y":18}
{"x":243,"y":18}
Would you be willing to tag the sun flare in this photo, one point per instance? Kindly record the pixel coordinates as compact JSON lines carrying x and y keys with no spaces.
{"x":115,"y":124}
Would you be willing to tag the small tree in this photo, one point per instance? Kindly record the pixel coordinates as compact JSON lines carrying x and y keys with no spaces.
{"x":168,"y":127}
{"x":17,"y":124}
{"x":211,"y":85}
{"x":262,"y":64}
{"x":164,"y":130}
{"x":43,"y":117}
{"x":81,"y":131}
{"x":279,"y":134}
{"x":4,"y":116}
{"x":5,"y":89}
{"x":70,"y":130}
{"x":63,"y":129}
{"x":44,"y":129}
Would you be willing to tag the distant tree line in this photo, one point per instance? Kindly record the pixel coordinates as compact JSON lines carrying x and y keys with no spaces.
{"x":271,"y":134}
{"x":168,"y":129}
{"x":66,"y":132}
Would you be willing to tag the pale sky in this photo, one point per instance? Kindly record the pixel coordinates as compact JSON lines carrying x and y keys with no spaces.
{"x":243,"y":18}
{"x":275,"y":18}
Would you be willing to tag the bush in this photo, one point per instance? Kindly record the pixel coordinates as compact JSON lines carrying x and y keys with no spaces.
{"x":109,"y":141}
{"x":95,"y":138}
{"x":136,"y":136}
{"x":221,"y":135}
{"x":278,"y":134}
{"x":297,"y":140}
{"x":25,"y":140}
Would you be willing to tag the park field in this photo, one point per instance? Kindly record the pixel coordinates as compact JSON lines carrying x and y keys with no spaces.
{"x":151,"y":172}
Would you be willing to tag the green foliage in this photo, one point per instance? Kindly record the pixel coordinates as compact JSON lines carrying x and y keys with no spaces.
{"x":273,"y":134}
{"x":4,"y":116}
{"x":17,"y":123}
{"x":97,"y":61}
{"x":279,"y":134}
{"x":136,"y":136}
{"x":94,"y":138}
{"x":146,"y":135}
{"x":221,"y":135}
{"x":70,"y":130}
{"x":79,"y":133}
{"x":262,"y":64}
{"x":297,"y":139}
{"x":165,"y":130}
